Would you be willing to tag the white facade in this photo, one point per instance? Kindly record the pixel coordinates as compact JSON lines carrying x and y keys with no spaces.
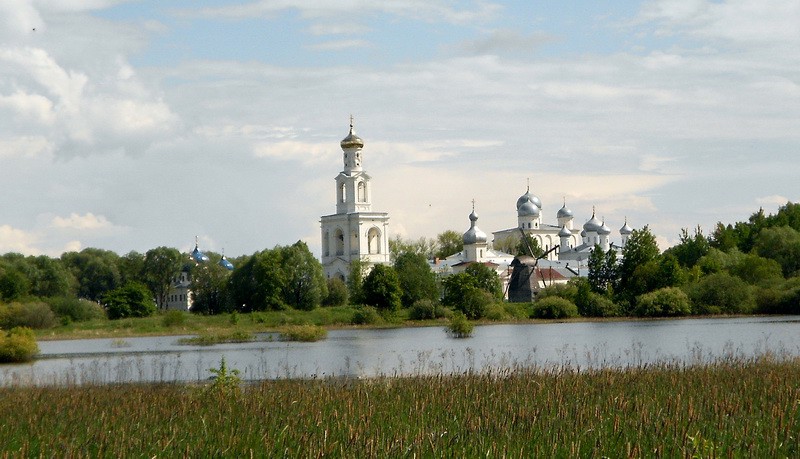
{"x":354,"y":232}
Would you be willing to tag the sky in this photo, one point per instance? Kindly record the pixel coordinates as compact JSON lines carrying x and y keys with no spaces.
{"x":128,"y":125}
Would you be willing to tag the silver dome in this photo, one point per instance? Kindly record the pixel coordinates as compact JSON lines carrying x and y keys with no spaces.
{"x":474,"y":235}
{"x":593,"y":225}
{"x":625,"y":230}
{"x":564,"y":232}
{"x":528,"y":209}
{"x":563,"y":212}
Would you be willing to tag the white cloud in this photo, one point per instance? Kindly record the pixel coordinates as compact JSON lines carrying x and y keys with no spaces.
{"x":16,"y":240}
{"x":773,"y":201}
{"x":25,"y":146}
{"x":88,"y":221}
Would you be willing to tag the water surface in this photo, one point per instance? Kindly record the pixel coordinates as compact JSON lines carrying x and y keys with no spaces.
{"x":407,"y":351}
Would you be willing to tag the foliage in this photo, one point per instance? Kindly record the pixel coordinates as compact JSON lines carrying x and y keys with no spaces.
{"x":131,"y":300}
{"x":417,"y":281}
{"x":423,"y":247}
{"x":72,"y":309}
{"x":597,"y":305}
{"x":36,"y":315}
{"x":355,"y":281}
{"x":721,"y":293}
{"x":779,"y":299}
{"x":554,"y":308}
{"x":448,"y":243}
{"x":460,"y":326}
{"x":210,"y":294}
{"x":781,"y":244}
{"x":161,"y":265}
{"x":366,"y":315}
{"x":305,"y":333}
{"x":337,"y":293}
{"x":640,"y":249}
{"x":486,"y":279}
{"x":173,"y":318}
{"x":256,"y":285}
{"x":690,"y":248}
{"x":96,"y":271}
{"x":664,"y":302}
{"x":426,"y":309}
{"x":382,"y":288}
{"x":475,"y":303}
{"x":603,"y":270}
{"x":304,"y":281}
{"x":209,"y":339}
{"x":519,"y":246}
{"x":13,"y":283}
{"x":226,"y":383}
{"x":18,"y":345}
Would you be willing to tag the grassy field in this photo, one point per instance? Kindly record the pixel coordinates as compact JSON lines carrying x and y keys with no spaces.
{"x":728,"y":409}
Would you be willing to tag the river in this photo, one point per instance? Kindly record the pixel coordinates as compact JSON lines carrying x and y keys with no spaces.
{"x":408,"y":351}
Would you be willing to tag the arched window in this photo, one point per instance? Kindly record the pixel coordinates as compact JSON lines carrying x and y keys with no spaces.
{"x":362,"y":192}
{"x":343,"y":193}
{"x":339,"y":241}
{"x":374,"y":240}
{"x":326,"y":245}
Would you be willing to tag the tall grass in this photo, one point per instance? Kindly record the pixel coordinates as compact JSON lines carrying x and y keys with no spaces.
{"x":747,"y":408}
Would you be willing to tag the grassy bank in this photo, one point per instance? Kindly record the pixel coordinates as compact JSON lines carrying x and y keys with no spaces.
{"x":223,"y":324}
{"x":732,"y":408}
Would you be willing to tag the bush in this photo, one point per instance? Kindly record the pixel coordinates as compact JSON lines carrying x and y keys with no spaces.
{"x":173,"y":318}
{"x":426,"y":309}
{"x":76,"y":310}
{"x":459,"y":326}
{"x":32,"y":315}
{"x":518,"y":311}
{"x":337,"y":293}
{"x":554,"y":308}
{"x":18,"y":345}
{"x":132,"y":300}
{"x":306,"y":333}
{"x":721,"y":293}
{"x":496,"y":312}
{"x":475,"y":303}
{"x":598,"y":305}
{"x":665,"y":302}
{"x":366,"y":315}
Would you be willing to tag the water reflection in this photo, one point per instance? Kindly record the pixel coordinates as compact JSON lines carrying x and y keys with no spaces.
{"x":407,"y":351}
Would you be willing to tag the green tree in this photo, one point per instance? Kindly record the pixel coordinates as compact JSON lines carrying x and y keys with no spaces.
{"x":486,"y":279}
{"x":337,"y":293}
{"x":355,"y":281}
{"x":417,"y":281}
{"x":95,"y":270}
{"x":382,"y":288}
{"x":161,"y":266}
{"x":210,"y":289}
{"x":721,"y":293}
{"x":304,"y":280}
{"x":131,"y":300}
{"x":448,"y":243}
{"x":640,"y":249}
{"x":422,"y":246}
{"x":131,"y":267}
{"x":13,"y":283}
{"x":690,"y":248}
{"x":781,"y":244}
{"x":603,"y":270}
{"x":257,"y":284}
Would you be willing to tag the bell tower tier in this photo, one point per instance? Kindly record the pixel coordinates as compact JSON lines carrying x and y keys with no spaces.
{"x":354,"y":232}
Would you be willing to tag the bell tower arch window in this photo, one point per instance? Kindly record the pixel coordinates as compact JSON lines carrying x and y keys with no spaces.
{"x":374,"y":241}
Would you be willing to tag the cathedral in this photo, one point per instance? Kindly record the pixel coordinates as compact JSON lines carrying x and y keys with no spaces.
{"x":354,"y":232}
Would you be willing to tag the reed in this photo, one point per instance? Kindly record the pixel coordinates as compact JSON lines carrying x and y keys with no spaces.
{"x":730,"y":408}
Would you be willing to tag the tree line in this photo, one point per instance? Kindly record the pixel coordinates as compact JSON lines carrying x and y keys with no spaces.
{"x":745,"y":267}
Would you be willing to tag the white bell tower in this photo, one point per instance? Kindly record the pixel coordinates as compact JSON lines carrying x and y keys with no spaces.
{"x":354,"y":232}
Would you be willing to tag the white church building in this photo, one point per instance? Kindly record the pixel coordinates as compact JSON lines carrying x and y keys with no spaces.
{"x":355,"y":231}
